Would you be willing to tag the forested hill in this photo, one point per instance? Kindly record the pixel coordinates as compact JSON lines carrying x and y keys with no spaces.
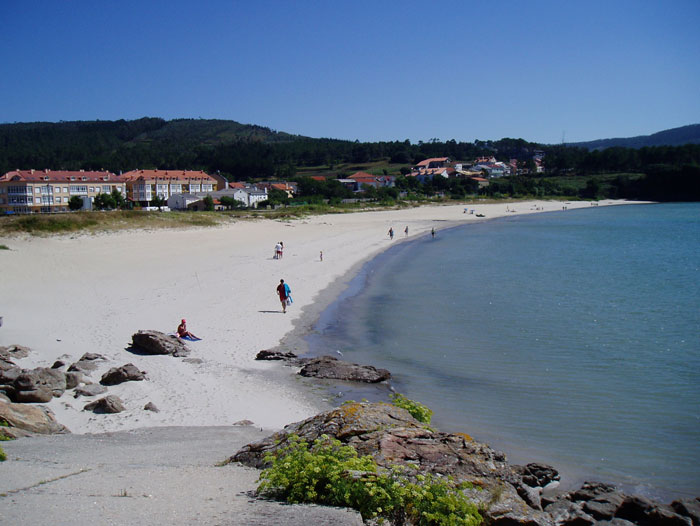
{"x":673,"y":137}
{"x":122,"y":143}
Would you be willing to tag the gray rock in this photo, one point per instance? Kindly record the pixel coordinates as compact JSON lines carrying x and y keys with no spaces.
{"x":615,"y":522}
{"x":82,"y":366}
{"x":688,"y":508}
{"x":275,"y":355}
{"x":243,"y":423}
{"x":28,"y":419}
{"x":156,"y":342}
{"x":567,"y":513}
{"x":90,"y":390}
{"x":58,"y":364}
{"x":73,"y":379}
{"x":14,"y":352}
{"x":334,"y":369}
{"x":126,"y":373}
{"x":91,"y":356}
{"x":150,"y":406}
{"x":39,"y":385}
{"x":9,"y":375}
{"x":108,"y":404}
{"x":640,"y":510}
{"x":537,"y":475}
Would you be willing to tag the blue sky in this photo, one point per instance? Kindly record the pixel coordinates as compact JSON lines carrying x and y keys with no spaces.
{"x":367,"y":70}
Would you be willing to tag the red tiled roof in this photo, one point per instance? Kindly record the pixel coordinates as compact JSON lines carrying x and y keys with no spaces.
{"x":170,"y":175}
{"x":318,"y":178}
{"x":426,"y":162}
{"x":236,"y":184}
{"x":61,"y":176}
{"x":361,"y":175}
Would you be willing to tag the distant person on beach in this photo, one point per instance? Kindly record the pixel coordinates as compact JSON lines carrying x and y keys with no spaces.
{"x":391,"y":233}
{"x":182,"y":331}
{"x":432,"y":232}
{"x":285,"y":294}
{"x":278,"y":251}
{"x":406,"y":231}
{"x":321,"y":255}
{"x":281,"y":249}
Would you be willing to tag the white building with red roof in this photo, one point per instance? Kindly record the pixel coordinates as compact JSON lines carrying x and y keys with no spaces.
{"x":45,"y":191}
{"x":142,"y":186}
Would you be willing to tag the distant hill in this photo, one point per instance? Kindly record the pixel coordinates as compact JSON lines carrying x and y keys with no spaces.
{"x":673,"y":137}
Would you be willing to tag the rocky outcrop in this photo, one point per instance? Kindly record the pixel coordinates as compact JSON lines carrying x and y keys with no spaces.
{"x":23,"y":420}
{"x":599,"y":503}
{"x":156,"y":342}
{"x":334,"y":369}
{"x":150,"y":406}
{"x":125,"y":373}
{"x":393,"y":437}
{"x":108,"y":404}
{"x":39,"y":385}
{"x":507,"y":495}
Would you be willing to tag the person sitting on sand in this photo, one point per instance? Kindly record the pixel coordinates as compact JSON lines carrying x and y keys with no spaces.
{"x":182,"y":331}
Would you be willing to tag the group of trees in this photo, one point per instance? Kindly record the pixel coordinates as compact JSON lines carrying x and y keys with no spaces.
{"x":244,"y":152}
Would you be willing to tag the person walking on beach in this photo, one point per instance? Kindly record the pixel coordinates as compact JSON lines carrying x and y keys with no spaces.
{"x":281,"y":249}
{"x":391,"y":233}
{"x":406,"y":231}
{"x":278,"y":250}
{"x":285,"y":293}
{"x":432,"y":232}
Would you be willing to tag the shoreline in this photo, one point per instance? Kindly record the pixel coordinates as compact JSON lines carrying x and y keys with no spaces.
{"x":75,"y":294}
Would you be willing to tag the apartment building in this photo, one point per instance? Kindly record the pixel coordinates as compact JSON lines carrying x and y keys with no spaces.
{"x":142,"y":186}
{"x":45,"y":191}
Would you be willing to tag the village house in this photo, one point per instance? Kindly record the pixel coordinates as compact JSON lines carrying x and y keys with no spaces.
{"x":377,"y":181}
{"x":142,"y":186}
{"x":45,"y":191}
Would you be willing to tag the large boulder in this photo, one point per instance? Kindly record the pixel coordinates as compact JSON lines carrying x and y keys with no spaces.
{"x":125,"y":373}
{"x":688,"y":508}
{"x":156,"y":342}
{"x":334,"y":369}
{"x":23,"y":419}
{"x":108,"y":404}
{"x":39,"y":385}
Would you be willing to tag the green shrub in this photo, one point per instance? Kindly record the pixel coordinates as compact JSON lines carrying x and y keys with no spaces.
{"x":332,"y":474}
{"x":418,"y":411}
{"x":3,"y":456}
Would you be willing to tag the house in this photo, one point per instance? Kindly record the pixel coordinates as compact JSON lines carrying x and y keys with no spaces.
{"x":142,"y":186}
{"x":433,"y":162}
{"x":377,"y":181}
{"x":426,"y":175}
{"x":250,"y":197}
{"x":289,"y":188}
{"x":496,"y":169}
{"x":45,"y":191}
{"x":483,"y":183}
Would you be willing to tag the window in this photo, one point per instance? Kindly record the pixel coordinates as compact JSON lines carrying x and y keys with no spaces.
{"x":106,"y":188}
{"x":92,"y":189}
{"x":37,"y":200}
{"x":78,"y":189}
{"x":58,"y":199}
{"x":37,"y":190}
{"x":65,"y":189}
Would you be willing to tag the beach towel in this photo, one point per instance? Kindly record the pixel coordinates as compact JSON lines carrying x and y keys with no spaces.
{"x":190,"y":339}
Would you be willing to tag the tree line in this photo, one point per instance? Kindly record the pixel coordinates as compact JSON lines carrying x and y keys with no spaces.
{"x":243,"y":152}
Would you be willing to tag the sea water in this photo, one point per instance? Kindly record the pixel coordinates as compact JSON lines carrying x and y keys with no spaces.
{"x":569,"y":338}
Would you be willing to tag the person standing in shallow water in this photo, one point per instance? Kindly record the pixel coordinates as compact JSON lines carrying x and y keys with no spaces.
{"x":284,"y":292}
{"x":391,"y":233}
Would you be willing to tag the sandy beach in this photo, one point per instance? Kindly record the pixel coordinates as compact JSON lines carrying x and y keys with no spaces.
{"x":65,"y":296}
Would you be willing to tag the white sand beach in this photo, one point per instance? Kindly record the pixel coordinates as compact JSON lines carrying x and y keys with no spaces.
{"x":68,"y":295}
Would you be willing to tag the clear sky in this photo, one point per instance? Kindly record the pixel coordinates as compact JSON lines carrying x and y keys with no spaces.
{"x":367,"y":70}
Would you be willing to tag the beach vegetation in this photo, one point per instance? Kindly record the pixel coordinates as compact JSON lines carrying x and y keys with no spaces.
{"x":417,"y":410}
{"x":3,"y":456}
{"x":4,"y":247}
{"x":330,"y":473}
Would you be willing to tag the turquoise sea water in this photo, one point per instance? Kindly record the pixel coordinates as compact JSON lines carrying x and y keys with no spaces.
{"x":569,"y":338}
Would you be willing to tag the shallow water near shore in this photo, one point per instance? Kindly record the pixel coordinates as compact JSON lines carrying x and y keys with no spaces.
{"x":568,"y":338}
